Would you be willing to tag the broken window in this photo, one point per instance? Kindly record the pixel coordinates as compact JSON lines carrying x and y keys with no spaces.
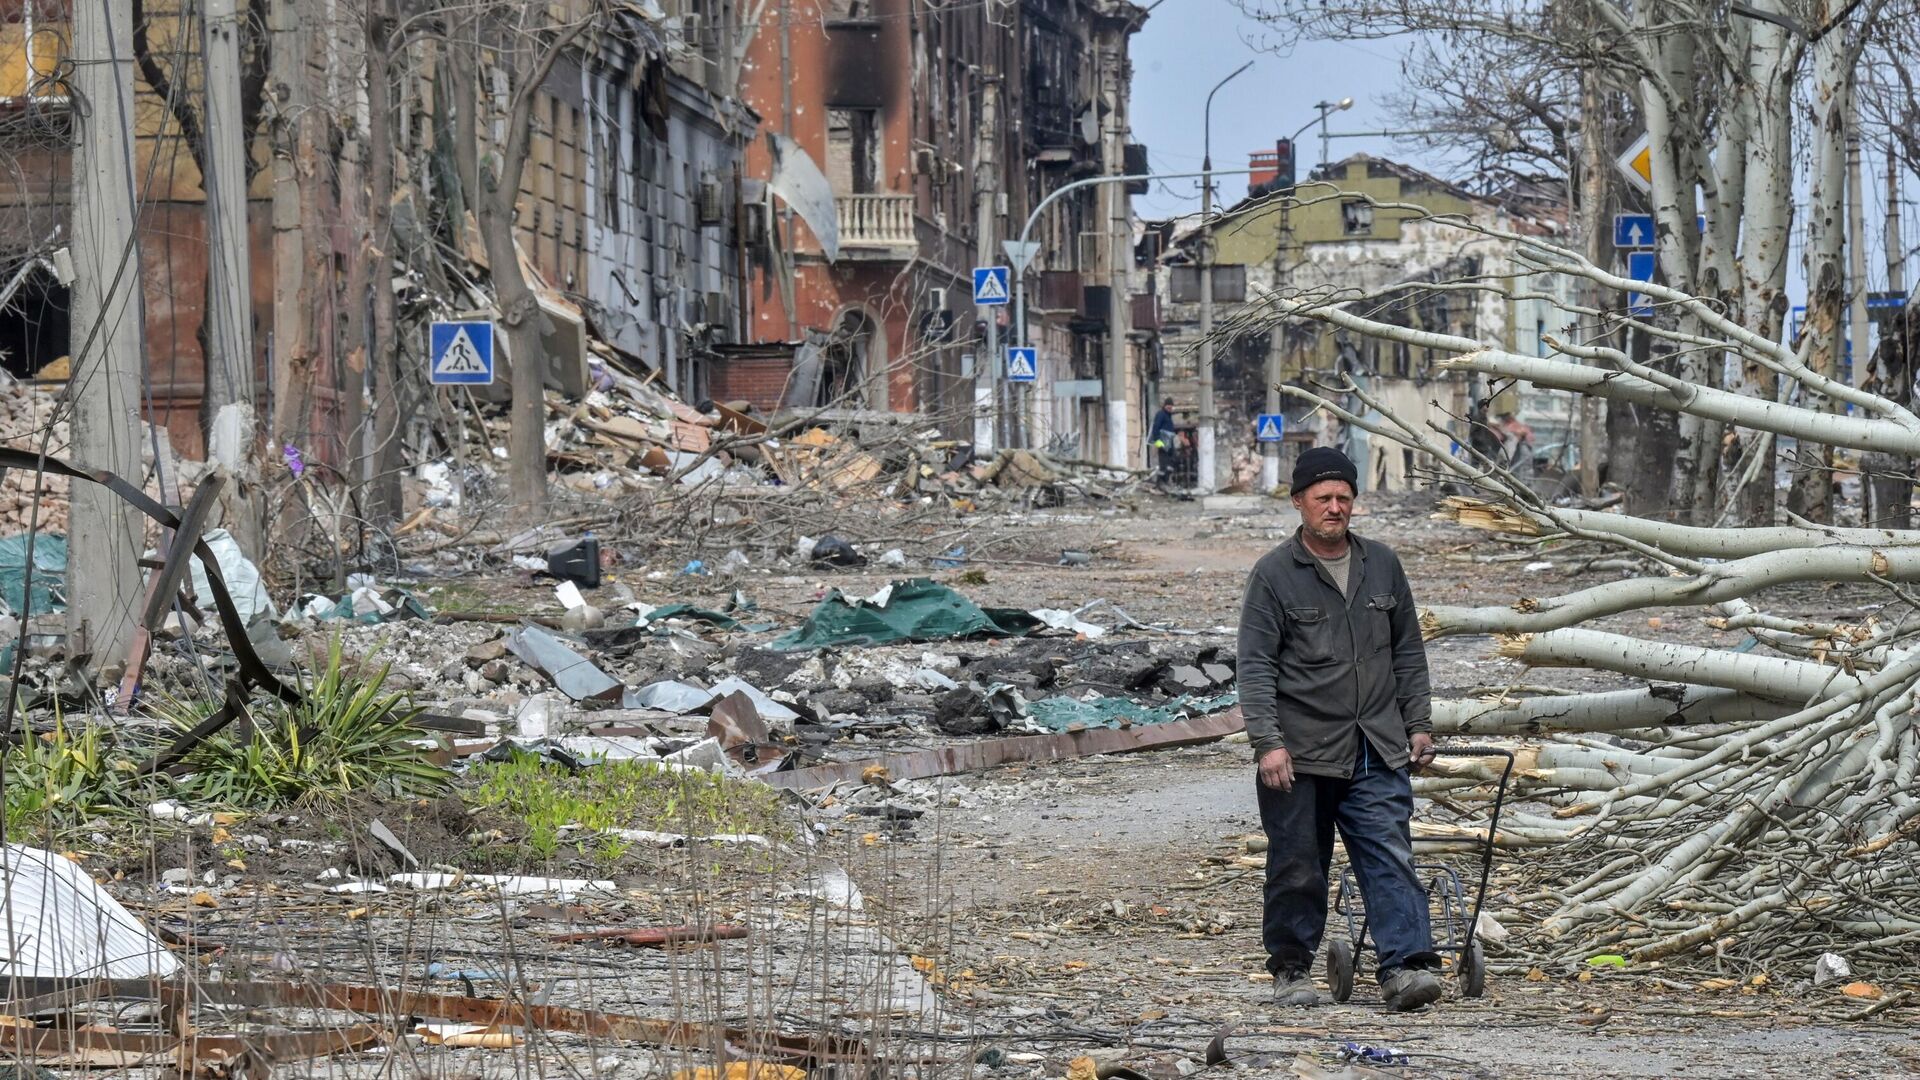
{"x":34,"y":325}
{"x":1229,"y":284}
{"x":853,"y":150}
{"x":1356,"y":217}
{"x":849,"y":10}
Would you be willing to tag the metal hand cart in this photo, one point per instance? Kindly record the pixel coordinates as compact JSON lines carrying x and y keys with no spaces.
{"x":1453,"y":924}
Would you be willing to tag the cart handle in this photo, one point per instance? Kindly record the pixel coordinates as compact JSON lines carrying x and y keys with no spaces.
{"x":1493,"y":826}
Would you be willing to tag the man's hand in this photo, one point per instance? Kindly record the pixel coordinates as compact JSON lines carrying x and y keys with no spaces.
{"x":1421,"y":746}
{"x":1276,"y":769}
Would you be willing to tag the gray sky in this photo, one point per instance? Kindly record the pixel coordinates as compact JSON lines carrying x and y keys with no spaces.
{"x":1188,"y":45}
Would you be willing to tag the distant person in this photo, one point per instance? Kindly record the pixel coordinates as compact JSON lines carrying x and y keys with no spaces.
{"x":1164,"y":440}
{"x":1334,"y":687}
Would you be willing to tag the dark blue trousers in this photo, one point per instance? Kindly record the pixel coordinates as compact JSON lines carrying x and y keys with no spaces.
{"x":1372,"y":811}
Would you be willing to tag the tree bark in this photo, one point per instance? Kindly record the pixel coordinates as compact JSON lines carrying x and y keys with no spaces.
{"x":1811,"y":494}
{"x":1773,"y":678}
{"x":385,"y":499}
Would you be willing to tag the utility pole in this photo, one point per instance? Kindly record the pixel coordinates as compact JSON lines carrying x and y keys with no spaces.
{"x":105,"y":537}
{"x":986,"y":369}
{"x":1856,"y":251}
{"x":1277,"y":343}
{"x":1203,"y":464}
{"x":291,"y":351}
{"x":229,"y":308}
{"x":1119,"y":246}
{"x":1896,"y":247}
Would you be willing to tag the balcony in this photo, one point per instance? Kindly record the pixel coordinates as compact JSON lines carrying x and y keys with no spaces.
{"x":876,"y":226}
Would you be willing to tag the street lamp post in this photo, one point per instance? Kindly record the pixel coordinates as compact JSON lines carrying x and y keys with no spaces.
{"x":1326,"y":107}
{"x":1204,"y":467}
{"x":1021,"y":252}
{"x":1276,"y":344}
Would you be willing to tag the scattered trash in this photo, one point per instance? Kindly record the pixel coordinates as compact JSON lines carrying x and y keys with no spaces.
{"x":575,"y":675}
{"x":953,"y":559}
{"x":1068,"y":621}
{"x":49,"y":574}
{"x":1863,"y":990}
{"x":1831,"y":967}
{"x":379,"y":831}
{"x":577,"y":563}
{"x":471,"y":1036}
{"x":1056,"y":714}
{"x":657,"y":937}
{"x":1075,"y":558}
{"x":917,"y":609}
{"x":833,"y":551}
{"x":534,"y":718}
{"x":1608,"y":960}
{"x":241,"y":577}
{"x":1538,"y":567}
{"x":1373,"y":1055}
{"x":506,"y":884}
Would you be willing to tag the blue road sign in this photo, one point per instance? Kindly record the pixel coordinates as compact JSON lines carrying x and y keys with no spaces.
{"x":1640,"y":266}
{"x":1022,"y":364}
{"x":1636,"y":230}
{"x":1270,"y":427}
{"x":990,"y":285}
{"x":461,"y":353}
{"x":1632,"y":230}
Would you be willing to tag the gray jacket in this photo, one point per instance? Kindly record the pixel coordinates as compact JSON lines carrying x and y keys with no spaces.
{"x":1317,"y":669}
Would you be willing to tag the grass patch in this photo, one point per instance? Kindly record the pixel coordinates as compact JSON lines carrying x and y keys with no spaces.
{"x":348,"y":739}
{"x":618,"y":795}
{"x":63,"y":777}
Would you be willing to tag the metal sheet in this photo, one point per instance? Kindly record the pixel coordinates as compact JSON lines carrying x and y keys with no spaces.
{"x":61,"y":925}
{"x":575,"y":675}
{"x":799,"y":183}
{"x":973,"y":757}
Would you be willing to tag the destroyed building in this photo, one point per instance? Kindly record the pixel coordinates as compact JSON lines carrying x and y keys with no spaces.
{"x":917,"y":140}
{"x":627,"y":219}
{"x":1349,"y":245}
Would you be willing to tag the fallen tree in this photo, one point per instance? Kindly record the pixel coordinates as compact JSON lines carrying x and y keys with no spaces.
{"x":1752,"y":803}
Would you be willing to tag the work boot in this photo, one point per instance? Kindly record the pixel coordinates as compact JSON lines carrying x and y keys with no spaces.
{"x":1295,"y":990}
{"x":1411,"y":988}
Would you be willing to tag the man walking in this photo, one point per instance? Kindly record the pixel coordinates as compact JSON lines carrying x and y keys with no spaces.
{"x":1163,"y":438}
{"x":1333,"y":682}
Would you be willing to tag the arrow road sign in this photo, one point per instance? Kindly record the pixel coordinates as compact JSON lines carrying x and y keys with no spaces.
{"x":1637,"y":163}
{"x":1636,"y":230}
{"x":1633,"y":230}
{"x":461,"y":353}
{"x":1021,"y":364}
{"x":990,"y":285}
{"x":1640,"y":266}
{"x":1270,"y":427}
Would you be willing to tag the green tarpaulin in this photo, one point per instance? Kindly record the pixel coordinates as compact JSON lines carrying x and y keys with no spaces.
{"x":914,"y":610}
{"x":1064,"y":714}
{"x":49,"y":574}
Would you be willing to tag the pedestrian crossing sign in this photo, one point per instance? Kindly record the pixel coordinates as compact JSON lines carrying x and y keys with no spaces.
{"x":990,"y":285}
{"x":461,"y":353}
{"x":1021,"y":364}
{"x":1269,"y":427}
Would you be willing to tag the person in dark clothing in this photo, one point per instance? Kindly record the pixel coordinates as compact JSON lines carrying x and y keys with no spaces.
{"x":1163,"y":439}
{"x":1334,"y":686}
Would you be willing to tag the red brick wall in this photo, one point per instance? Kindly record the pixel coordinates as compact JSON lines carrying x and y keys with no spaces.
{"x":759,"y":380}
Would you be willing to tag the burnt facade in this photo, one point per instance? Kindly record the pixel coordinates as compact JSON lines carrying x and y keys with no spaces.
{"x":937,"y":130}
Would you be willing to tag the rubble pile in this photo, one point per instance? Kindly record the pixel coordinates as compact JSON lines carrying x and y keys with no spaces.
{"x":27,"y":414}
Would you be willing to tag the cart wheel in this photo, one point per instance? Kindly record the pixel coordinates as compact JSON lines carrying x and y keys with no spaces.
{"x":1340,"y":968}
{"x":1473,"y":972}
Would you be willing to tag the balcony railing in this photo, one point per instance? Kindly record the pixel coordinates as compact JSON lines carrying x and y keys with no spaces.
{"x":875,"y":221}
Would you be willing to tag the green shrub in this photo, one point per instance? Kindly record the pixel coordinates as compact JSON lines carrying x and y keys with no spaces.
{"x":348,"y":738}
